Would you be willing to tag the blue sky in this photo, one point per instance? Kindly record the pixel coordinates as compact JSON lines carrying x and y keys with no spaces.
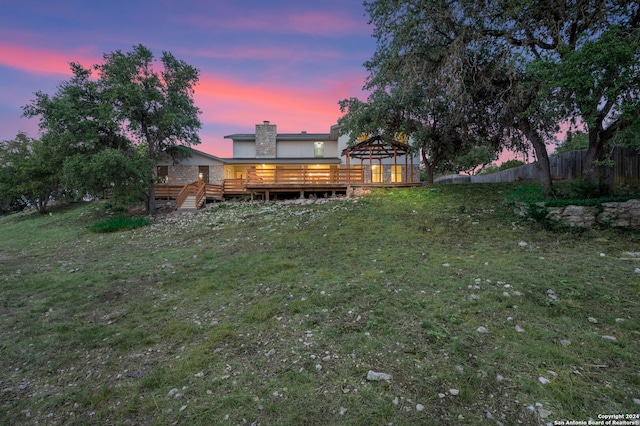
{"x":289,"y":62}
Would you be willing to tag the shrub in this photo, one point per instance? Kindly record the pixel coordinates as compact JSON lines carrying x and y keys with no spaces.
{"x":119,"y":223}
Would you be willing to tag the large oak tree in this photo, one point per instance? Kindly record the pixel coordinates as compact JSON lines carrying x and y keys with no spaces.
{"x":113,"y":127}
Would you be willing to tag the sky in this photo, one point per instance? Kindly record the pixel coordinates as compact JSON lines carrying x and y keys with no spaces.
{"x":285,"y":61}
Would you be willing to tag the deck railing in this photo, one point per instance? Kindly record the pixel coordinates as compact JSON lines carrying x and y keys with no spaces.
{"x":197,"y":189}
{"x":234,"y":186}
{"x":326,"y":175}
{"x":168,"y":191}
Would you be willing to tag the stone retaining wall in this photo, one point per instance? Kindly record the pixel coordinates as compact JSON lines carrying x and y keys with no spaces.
{"x":615,"y":214}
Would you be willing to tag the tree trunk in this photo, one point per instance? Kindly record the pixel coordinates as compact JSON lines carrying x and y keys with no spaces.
{"x":429,"y":166}
{"x":594,"y":173}
{"x":542,"y":165}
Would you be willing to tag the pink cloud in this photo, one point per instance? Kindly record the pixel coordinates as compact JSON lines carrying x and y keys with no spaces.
{"x":39,"y":61}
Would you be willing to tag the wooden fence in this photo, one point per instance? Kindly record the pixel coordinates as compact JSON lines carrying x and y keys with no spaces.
{"x":569,"y":166}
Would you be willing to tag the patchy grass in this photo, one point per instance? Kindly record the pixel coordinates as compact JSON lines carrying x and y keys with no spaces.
{"x":274,"y":314}
{"x":119,"y":223}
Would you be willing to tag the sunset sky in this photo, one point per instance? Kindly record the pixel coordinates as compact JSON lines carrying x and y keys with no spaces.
{"x":289,"y":62}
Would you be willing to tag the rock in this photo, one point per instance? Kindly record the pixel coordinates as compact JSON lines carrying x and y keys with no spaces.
{"x":544,"y":413}
{"x":565,"y":342}
{"x":519,"y":329}
{"x":482,"y":330}
{"x":592,"y":320}
{"x":636,"y":400}
{"x":610,"y":338}
{"x":377,"y":377}
{"x":173,"y":391}
{"x":543,"y":380}
{"x":473,"y":297}
{"x":441,"y":395}
{"x":522,"y":244}
{"x":499,"y":377}
{"x":419,"y":407}
{"x":318,"y":367}
{"x":342,"y":411}
{"x":552,"y":294}
{"x":454,"y":392}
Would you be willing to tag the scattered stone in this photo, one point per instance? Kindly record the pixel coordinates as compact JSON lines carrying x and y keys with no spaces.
{"x":636,"y":400}
{"x":592,"y":320}
{"x":602,"y":255}
{"x":199,"y":374}
{"x":544,"y":413}
{"x":489,"y":415}
{"x":454,"y":392}
{"x":395,"y":401}
{"x":137,"y":374}
{"x":419,"y":407}
{"x":565,"y":342}
{"x":482,"y":330}
{"x":271,"y":352}
{"x":173,"y":392}
{"x":543,"y":380}
{"x":460,"y":368}
{"x":553,"y":373}
{"x":637,"y":270}
{"x":499,"y":377}
{"x":184,"y":407}
{"x":376,"y":376}
{"x":610,"y":338}
{"x":446,"y":265}
{"x":327,"y":358}
{"x":552,"y":294}
{"x":519,"y":329}
{"x":441,"y":395}
{"x":318,"y":367}
{"x":619,"y":319}
{"x":522,"y":244}
{"x":473,"y":297}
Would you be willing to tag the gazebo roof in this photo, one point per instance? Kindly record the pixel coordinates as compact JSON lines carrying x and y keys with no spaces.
{"x":376,"y":148}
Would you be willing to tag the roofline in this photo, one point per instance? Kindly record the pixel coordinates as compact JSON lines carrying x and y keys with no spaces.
{"x":329,"y":160}
{"x":246,"y":137}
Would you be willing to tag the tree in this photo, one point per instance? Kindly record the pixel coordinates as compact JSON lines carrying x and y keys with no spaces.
{"x":466,"y":89}
{"x":478,"y":57}
{"x":600,"y":83}
{"x":157,"y":107}
{"x":28,"y":173}
{"x":123,"y":120}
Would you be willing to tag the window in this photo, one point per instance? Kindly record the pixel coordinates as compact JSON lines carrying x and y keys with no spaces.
{"x":163,"y":174}
{"x":318,"y":149}
{"x":396,"y":173}
{"x":376,"y":173}
{"x":203,"y":173}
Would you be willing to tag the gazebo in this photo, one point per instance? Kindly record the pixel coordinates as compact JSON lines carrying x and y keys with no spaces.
{"x":376,"y":148}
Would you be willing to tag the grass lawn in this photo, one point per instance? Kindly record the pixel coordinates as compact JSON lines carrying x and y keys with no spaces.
{"x":274,"y":314}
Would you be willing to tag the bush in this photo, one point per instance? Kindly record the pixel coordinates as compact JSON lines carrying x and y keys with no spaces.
{"x":119,"y":223}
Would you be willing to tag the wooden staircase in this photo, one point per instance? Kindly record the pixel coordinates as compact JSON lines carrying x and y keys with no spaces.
{"x":194,"y":195}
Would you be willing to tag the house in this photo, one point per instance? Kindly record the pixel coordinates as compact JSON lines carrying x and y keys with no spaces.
{"x":269,"y":163}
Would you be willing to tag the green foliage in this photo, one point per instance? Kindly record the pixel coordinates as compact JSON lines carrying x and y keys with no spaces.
{"x":29,"y":174}
{"x":510,"y":164}
{"x":573,"y":141}
{"x":119,"y":223}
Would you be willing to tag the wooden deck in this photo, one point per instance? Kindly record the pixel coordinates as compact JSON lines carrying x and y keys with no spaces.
{"x":264,"y":183}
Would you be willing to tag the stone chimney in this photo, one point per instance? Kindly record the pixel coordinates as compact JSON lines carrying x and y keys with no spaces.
{"x":265,"y":140}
